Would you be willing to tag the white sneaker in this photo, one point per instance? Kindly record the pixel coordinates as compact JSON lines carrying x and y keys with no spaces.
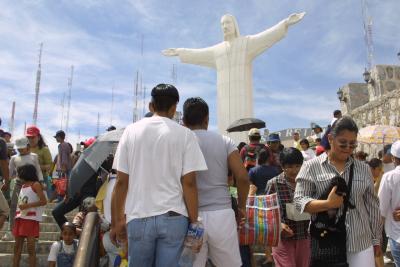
{"x":386,"y":260}
{"x":7,"y":237}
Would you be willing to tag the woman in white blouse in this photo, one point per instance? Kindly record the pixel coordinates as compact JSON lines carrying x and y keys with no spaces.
{"x":307,"y":152}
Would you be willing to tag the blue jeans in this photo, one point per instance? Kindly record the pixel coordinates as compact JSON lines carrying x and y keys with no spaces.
{"x":156,"y":241}
{"x":395,"y":249}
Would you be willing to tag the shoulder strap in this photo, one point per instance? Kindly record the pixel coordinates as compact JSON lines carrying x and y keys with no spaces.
{"x":61,"y":246}
{"x":347,"y":203}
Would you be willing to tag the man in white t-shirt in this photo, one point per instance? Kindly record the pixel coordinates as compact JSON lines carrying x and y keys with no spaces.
{"x":220,"y":240}
{"x":389,"y":202}
{"x":387,"y":162}
{"x":156,"y":163}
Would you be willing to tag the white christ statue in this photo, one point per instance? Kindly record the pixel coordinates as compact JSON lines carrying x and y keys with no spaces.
{"x":232,"y":59}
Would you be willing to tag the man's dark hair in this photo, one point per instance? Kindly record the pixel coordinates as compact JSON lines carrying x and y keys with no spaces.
{"x":343,"y":124}
{"x":241,"y":145}
{"x":305,"y":141}
{"x":262,"y":157}
{"x":336,"y":113}
{"x":253,"y":138}
{"x":27,"y":173}
{"x":375,"y":163}
{"x":290,"y":156}
{"x":111,"y":128}
{"x":318,"y":139}
{"x":195,"y":111}
{"x":164,"y":96}
{"x":386,"y":149}
{"x":361,"y":155}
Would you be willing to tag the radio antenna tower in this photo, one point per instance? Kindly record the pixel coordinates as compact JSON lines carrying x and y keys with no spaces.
{"x":12,"y":120}
{"x":69,"y":98}
{"x":174,"y":74}
{"x":136,"y":89}
{"x":112,"y":105}
{"x":98,"y":124}
{"x":144,"y":101}
{"x":62,"y":111}
{"x":37,"y":86}
{"x":367,"y":24}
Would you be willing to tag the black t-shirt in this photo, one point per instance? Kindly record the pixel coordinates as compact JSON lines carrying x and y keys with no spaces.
{"x":3,"y":151}
{"x":260,"y":175}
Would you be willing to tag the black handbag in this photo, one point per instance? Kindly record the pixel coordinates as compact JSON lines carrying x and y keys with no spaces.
{"x":328,"y":242}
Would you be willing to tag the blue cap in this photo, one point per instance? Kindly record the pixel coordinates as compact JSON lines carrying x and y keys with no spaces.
{"x":274,"y":137}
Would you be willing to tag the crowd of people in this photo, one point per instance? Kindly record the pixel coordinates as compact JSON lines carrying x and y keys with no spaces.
{"x":167,"y":180}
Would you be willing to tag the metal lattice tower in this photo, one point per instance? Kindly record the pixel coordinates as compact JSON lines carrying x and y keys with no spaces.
{"x":69,"y":98}
{"x":37,"y":86}
{"x":62,"y":111}
{"x":12,"y":119}
{"x":98,"y":124}
{"x":174,"y":74}
{"x":367,"y":24}
{"x":112,"y":105}
{"x":136,"y":91}
{"x":144,"y":101}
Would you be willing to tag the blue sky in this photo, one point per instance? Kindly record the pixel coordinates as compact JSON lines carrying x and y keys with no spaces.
{"x":295,"y":82}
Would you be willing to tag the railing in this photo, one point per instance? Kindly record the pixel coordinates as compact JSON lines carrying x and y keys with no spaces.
{"x":88,"y":249}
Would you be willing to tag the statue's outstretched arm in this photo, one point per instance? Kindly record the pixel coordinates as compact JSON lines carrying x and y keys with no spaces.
{"x":260,"y":42}
{"x":171,"y":52}
{"x":203,"y":56}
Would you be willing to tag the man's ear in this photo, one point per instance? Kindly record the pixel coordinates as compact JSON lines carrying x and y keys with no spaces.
{"x":172,"y":110}
{"x":151,"y":107}
{"x":206,"y":121}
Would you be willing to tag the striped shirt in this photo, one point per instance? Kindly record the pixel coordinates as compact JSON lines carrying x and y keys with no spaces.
{"x":363,"y":224}
{"x":285,"y":192}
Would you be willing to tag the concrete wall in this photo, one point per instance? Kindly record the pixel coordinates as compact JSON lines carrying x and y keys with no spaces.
{"x":375,"y":103}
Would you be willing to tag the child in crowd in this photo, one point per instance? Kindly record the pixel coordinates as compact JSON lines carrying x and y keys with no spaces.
{"x":28,"y":214}
{"x":294,"y":247}
{"x":25,"y":157}
{"x":62,"y":253}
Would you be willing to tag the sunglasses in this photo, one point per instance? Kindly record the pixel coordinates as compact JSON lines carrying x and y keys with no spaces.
{"x":344,"y":145}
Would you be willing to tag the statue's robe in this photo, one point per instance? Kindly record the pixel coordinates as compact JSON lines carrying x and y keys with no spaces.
{"x":233,"y":62}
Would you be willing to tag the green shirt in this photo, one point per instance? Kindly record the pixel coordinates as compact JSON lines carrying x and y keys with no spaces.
{"x":44,"y":157}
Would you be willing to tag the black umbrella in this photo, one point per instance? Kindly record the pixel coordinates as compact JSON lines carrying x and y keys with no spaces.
{"x":91,"y":159}
{"x":245,"y":125}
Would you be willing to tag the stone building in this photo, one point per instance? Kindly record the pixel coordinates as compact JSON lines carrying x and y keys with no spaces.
{"x":377,"y":101}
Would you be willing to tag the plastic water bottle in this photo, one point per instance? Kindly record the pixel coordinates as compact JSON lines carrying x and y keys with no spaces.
{"x":193,"y":243}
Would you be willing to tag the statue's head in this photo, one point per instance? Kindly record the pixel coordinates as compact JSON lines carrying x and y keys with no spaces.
{"x":229,"y":26}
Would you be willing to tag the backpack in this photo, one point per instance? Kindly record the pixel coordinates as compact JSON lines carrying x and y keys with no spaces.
{"x":251,"y":155}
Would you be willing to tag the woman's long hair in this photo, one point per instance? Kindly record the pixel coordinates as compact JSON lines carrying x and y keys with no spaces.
{"x":41,"y":142}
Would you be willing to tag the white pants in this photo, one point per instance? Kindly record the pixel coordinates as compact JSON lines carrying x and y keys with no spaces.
{"x":363,"y":258}
{"x":220,"y":240}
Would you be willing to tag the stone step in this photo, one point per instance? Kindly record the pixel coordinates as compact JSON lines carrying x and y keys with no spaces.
{"x":44,"y":227}
{"x":42,"y":247}
{"x":49,"y":236}
{"x":50,"y":218}
{"x":7,"y":260}
{"x":48,"y":210}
